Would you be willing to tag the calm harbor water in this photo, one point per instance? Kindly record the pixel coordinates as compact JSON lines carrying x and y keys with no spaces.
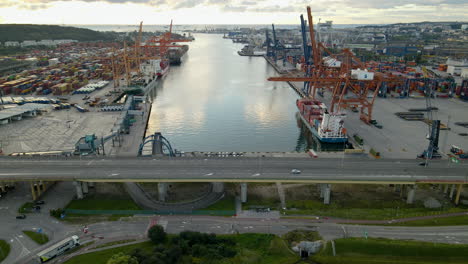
{"x":219,"y":101}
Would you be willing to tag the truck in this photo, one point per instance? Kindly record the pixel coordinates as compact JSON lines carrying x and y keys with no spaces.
{"x":58,"y":248}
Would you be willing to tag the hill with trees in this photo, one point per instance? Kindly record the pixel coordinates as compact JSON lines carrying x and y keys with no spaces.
{"x":21,"y":32}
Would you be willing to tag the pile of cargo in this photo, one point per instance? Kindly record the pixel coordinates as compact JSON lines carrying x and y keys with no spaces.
{"x":89,"y":88}
{"x":112,"y":108}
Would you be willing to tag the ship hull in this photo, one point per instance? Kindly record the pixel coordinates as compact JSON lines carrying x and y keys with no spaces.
{"x":313,"y":130}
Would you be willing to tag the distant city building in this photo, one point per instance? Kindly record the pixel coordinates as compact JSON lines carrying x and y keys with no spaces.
{"x":28,"y":43}
{"x":456,"y":67}
{"x":400,"y":51}
{"x":12,"y":43}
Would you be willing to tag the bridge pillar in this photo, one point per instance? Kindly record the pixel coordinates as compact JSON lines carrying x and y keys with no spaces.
{"x":320,"y":186}
{"x":79,"y":190}
{"x":38,"y":187}
{"x":402,"y":190}
{"x":243,"y":186}
{"x":452,"y":190}
{"x":281,"y":194}
{"x":162,"y":191}
{"x":33,"y":191}
{"x":457,"y":197}
{"x":411,"y":192}
{"x":326,"y":193}
{"x":2,"y":187}
{"x":218,"y":187}
{"x":446,"y":188}
{"x":84,"y":186}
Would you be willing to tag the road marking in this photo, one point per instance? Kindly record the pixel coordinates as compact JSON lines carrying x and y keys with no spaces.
{"x":91,"y":162}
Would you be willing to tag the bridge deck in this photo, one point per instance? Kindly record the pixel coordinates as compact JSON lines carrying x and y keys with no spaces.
{"x":330,"y":170}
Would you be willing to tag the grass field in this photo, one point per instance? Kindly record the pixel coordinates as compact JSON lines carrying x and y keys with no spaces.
{"x":103,"y":202}
{"x":443,"y":221}
{"x":101,"y":257}
{"x":386,"y":251}
{"x":251,"y":249}
{"x":4,"y":250}
{"x":365,"y":210}
{"x":227,"y":203}
{"x":36,"y":237}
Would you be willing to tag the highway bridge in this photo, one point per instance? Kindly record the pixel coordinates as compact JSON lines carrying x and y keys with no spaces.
{"x":321,"y":170}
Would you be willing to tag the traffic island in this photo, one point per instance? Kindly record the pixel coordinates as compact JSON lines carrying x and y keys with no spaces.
{"x":37,"y":236}
{"x":4,"y":250}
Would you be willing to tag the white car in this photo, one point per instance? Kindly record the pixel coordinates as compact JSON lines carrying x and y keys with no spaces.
{"x":295,"y":171}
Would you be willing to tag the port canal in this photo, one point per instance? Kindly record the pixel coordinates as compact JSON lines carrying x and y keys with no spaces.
{"x":219,"y":101}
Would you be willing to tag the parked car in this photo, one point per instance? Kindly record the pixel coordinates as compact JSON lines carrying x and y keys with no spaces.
{"x":21,"y":216}
{"x":39,"y":202}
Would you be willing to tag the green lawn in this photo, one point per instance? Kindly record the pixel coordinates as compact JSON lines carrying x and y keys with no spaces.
{"x":36,"y":237}
{"x":103,"y":202}
{"x":227,"y":203}
{"x":386,"y":251}
{"x":443,"y":221}
{"x":251,"y":249}
{"x":4,"y":250}
{"x":101,"y":257}
{"x":25,"y":208}
{"x":365,"y":210}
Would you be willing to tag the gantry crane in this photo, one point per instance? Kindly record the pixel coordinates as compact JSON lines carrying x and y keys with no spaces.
{"x":159,"y":45}
{"x":344,"y":74}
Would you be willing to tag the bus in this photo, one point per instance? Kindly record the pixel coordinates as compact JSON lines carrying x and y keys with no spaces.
{"x":58,"y":249}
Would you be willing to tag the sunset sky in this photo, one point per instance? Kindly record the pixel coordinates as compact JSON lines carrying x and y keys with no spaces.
{"x":228,"y":11}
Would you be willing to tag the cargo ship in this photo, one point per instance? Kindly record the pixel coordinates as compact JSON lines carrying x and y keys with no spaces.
{"x":175,"y":54}
{"x":325,"y":126}
{"x":150,"y":72}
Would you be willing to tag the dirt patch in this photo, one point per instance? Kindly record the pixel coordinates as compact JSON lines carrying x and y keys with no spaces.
{"x":108,"y":188}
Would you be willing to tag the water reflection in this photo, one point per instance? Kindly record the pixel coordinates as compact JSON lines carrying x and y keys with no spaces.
{"x":219,"y":101}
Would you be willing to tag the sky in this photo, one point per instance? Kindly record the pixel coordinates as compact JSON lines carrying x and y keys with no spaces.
{"x":127,"y":12}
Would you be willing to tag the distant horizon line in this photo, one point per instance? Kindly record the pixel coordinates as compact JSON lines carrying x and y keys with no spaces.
{"x":63,"y":24}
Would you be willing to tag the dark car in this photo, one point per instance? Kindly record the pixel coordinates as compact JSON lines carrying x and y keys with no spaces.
{"x":39,"y":202}
{"x":36,"y":207}
{"x":21,"y":216}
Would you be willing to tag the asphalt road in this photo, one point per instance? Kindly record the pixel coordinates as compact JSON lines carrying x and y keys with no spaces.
{"x":328,"y":170}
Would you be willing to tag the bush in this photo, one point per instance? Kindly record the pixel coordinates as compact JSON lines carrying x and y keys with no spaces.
{"x":157,"y":234}
{"x":121,"y":258}
{"x":56,"y":212}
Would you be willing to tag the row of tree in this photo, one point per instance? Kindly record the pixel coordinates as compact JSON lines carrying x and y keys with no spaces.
{"x":186,"y":248}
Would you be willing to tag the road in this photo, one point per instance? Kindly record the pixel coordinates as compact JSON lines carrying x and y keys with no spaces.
{"x":326,"y":170}
{"x":111,"y":231}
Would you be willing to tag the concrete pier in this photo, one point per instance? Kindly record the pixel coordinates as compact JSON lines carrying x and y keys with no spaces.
{"x":243,"y":186}
{"x":79,"y":190}
{"x":281,"y":194}
{"x":457,"y":197}
{"x":411,"y":193}
{"x":84,"y":186}
{"x":452,"y":190}
{"x":218,"y":187}
{"x":162,"y":191}
{"x":326,"y":193}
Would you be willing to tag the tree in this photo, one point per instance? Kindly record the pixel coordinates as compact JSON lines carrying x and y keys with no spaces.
{"x":121,"y":258}
{"x":156,"y":234}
